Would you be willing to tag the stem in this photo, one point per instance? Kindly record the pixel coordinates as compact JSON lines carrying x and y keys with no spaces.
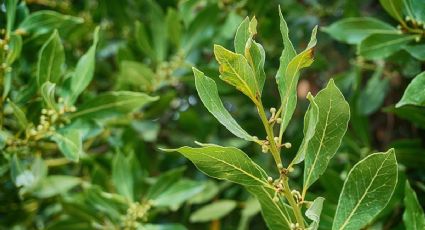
{"x":288,"y":195}
{"x":270,"y":136}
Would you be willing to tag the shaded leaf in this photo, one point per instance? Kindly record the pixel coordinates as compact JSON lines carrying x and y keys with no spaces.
{"x":70,"y":144}
{"x":122,"y":175}
{"x":354,"y":30}
{"x":112,"y":104}
{"x":19,"y":114}
{"x":178,"y":193}
{"x":213,"y":211}
{"x":413,"y":216}
{"x":417,"y":51}
{"x":55,"y":185}
{"x":378,"y":46}
{"x":393,"y":8}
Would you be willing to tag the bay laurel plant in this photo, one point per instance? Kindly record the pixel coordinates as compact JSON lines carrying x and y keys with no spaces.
{"x":368,"y":186}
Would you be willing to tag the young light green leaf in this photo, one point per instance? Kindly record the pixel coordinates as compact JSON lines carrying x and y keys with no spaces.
{"x":19,"y":114}
{"x":413,"y":216}
{"x":362,"y":196}
{"x":378,"y":46}
{"x":15,"y":48}
{"x":213,"y":211}
{"x":289,"y":81}
{"x":236,"y":71}
{"x":207,"y":91}
{"x":45,"y":21}
{"x":417,"y":51}
{"x":122,"y":176}
{"x":393,"y":8}
{"x":311,"y":118}
{"x":48,"y":94}
{"x":334,"y":114}
{"x":256,"y":57}
{"x":70,"y":144}
{"x":50,"y":60}
{"x":313,"y":213}
{"x":163,"y":227}
{"x":178,"y":193}
{"x":225,"y":163}
{"x":112,"y":103}
{"x":10,"y":15}
{"x":277,"y":215}
{"x":241,"y":36}
{"x":414,"y":93}
{"x":354,"y":30}
{"x":374,"y":93}
{"x":84,"y":70}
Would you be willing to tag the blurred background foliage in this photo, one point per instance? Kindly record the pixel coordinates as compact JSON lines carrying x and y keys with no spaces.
{"x":123,"y":180}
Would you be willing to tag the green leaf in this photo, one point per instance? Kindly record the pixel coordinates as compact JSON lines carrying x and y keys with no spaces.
{"x":393,"y":8}
{"x":122,"y":176}
{"x":19,"y":114}
{"x":354,"y":30}
{"x":15,"y":48}
{"x":250,"y":209}
{"x":112,"y":104}
{"x":414,"y":114}
{"x":378,"y":46}
{"x":163,"y":227}
{"x":143,"y":41}
{"x":10,"y":14}
{"x":45,"y":21}
{"x":417,"y":51}
{"x":84,"y":70}
{"x":207,"y":91}
{"x":50,"y":60}
{"x":311,"y":118}
{"x":334,"y":114}
{"x":414,"y":93}
{"x":415,"y":9}
{"x":366,"y":191}
{"x":136,"y":74}
{"x":213,"y":211}
{"x":313,"y":213}
{"x":70,"y":144}
{"x":55,"y":185}
{"x":236,"y":71}
{"x":413,"y":216}
{"x":241,"y":37}
{"x":374,"y":93}
{"x":288,"y":82}
{"x":225,"y":163}
{"x":277,"y":215}
{"x":174,"y":27}
{"x":48,"y":94}
{"x":210,"y":191}
{"x":164,"y":182}
{"x":178,"y":193}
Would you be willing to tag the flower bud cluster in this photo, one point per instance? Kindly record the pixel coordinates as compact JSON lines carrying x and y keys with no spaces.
{"x":136,"y":211}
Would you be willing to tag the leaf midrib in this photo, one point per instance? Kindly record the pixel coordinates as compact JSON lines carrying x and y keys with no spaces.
{"x":364,"y":194}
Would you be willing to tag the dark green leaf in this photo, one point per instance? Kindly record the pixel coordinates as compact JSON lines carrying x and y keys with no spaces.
{"x":112,"y":104}
{"x":354,"y":30}
{"x":378,"y":46}
{"x":413,"y":216}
